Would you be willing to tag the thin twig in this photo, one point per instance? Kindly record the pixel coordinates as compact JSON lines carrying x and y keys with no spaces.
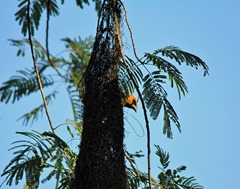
{"x":36,"y":69}
{"x":130,"y":31}
{"x":47,"y":36}
{"x":136,"y":170}
{"x":139,"y":93}
{"x":132,"y":165}
{"x":143,"y":104}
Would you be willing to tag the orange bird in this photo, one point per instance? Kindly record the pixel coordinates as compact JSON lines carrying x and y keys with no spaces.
{"x":131,"y":102}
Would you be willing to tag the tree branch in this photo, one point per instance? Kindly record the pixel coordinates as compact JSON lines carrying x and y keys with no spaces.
{"x":36,"y":69}
{"x":132,"y":165}
{"x":138,"y":91}
{"x":47,"y":37}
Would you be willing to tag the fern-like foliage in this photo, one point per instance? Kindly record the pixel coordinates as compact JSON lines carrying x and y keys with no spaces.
{"x":30,"y":158}
{"x":125,"y":83}
{"x":169,"y":114}
{"x":80,"y":3}
{"x":136,"y":178}
{"x":170,"y":179}
{"x":23,"y":44}
{"x":38,"y":152}
{"x":25,"y":83}
{"x":154,"y":94}
{"x":34,"y":114}
{"x":79,"y":57}
{"x":21,"y":85}
{"x":163,"y":156}
{"x":174,"y":75}
{"x":181,"y":56}
{"x":36,"y":9}
{"x":155,"y":97}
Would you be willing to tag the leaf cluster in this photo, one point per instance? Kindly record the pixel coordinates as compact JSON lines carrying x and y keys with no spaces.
{"x":37,"y":8}
{"x":153,"y":81}
{"x":39,"y":152}
{"x":24,"y":83}
{"x":154,"y":94}
{"x":46,"y":151}
{"x":125,"y":82}
{"x":35,"y":11}
{"x":167,"y":178}
{"x":170,"y":178}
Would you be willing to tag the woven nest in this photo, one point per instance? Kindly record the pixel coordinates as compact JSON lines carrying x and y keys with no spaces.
{"x":101,"y":161}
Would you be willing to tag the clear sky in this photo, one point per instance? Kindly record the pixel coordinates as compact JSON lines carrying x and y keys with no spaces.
{"x":209,"y":142}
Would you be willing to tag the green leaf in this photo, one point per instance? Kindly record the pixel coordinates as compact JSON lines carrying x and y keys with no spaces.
{"x":181,"y":56}
{"x":174,"y":74}
{"x":170,"y":114}
{"x":21,"y":85}
{"x":23,"y":45}
{"x":36,"y":153}
{"x":125,"y":83}
{"x":188,"y":183}
{"x":163,"y":156}
{"x":22,"y":163}
{"x":21,"y":16}
{"x":35,"y":10}
{"x":153,"y":92}
{"x":34,"y":114}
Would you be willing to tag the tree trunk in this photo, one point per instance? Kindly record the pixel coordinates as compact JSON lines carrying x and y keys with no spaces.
{"x":100,"y":163}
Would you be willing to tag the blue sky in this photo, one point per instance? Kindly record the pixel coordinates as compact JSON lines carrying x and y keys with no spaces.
{"x":208,"y":144}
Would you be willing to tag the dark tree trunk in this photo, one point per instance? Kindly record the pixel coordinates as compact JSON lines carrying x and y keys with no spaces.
{"x":101,"y":163}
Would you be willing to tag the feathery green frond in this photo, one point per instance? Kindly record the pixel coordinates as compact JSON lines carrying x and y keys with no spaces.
{"x":34,"y":114}
{"x":181,"y":56}
{"x":23,"y":45}
{"x":36,"y":153}
{"x":30,"y":158}
{"x":163,"y":156}
{"x":36,"y":9}
{"x":80,"y":3}
{"x":174,"y":74}
{"x":97,"y":4}
{"x":188,"y":183}
{"x":153,"y":92}
{"x":21,"y":16}
{"x":21,"y":85}
{"x":170,"y":179}
{"x":79,"y":57}
{"x":125,"y":83}
{"x":53,"y":7}
{"x":169,"y":114}
{"x":77,"y":127}
{"x":155,"y":98}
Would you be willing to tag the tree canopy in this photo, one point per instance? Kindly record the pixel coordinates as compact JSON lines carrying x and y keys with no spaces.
{"x":145,"y":76}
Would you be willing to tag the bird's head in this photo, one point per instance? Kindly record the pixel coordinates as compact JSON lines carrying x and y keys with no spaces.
{"x":131,"y":102}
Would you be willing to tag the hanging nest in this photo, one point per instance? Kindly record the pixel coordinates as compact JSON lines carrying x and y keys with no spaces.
{"x":101,"y":161}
